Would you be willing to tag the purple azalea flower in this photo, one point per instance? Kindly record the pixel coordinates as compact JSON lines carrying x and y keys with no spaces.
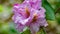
{"x":30,"y":13}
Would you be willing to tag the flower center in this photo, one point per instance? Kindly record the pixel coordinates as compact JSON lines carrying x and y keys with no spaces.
{"x":27,"y":13}
{"x":34,"y":18}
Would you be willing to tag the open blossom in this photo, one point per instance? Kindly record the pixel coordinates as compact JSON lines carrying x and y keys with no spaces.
{"x":30,"y":13}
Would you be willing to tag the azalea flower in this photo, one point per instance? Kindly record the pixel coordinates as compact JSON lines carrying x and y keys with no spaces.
{"x":30,"y":13}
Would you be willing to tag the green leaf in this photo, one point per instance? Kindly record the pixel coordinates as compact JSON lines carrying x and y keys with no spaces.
{"x":42,"y":31}
{"x":49,"y":10}
{"x":57,"y":3}
{"x":58,"y":18}
{"x":12,"y":29}
{"x":26,"y":32}
{"x":1,"y":8}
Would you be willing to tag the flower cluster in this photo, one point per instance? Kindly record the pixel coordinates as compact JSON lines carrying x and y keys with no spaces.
{"x":29,"y":13}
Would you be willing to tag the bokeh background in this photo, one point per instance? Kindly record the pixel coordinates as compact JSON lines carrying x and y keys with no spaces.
{"x":7,"y":25}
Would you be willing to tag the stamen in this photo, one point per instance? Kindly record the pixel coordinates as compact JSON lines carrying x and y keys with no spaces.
{"x":35,"y":18}
{"x":27,"y":12}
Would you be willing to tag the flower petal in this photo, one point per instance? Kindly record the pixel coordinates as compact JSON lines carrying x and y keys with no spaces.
{"x":19,"y":27}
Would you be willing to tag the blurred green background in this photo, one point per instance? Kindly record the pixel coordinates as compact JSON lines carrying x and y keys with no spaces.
{"x":7,"y":26}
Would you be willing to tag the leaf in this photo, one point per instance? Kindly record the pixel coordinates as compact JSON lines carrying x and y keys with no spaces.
{"x":26,"y":32}
{"x":1,"y":8}
{"x":57,"y":3}
{"x":42,"y":31}
{"x":58,"y":18}
{"x":49,"y":10}
{"x":12,"y":29}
